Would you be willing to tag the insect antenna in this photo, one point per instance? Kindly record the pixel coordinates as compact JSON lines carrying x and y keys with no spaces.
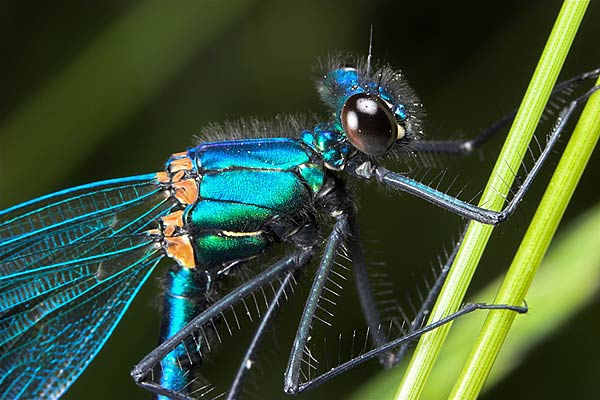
{"x":370,"y":50}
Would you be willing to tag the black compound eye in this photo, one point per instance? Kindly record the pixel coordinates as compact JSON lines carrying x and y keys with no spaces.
{"x":369,"y":124}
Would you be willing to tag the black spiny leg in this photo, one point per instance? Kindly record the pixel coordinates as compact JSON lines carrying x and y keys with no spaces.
{"x":393,"y":351}
{"x":404,"y":340}
{"x":142,"y":372}
{"x":397,"y":347}
{"x":365,"y":292}
{"x":369,"y":305}
{"x":291,"y":380}
{"x":460,"y":207}
{"x":265,"y":323}
{"x":467,"y":146}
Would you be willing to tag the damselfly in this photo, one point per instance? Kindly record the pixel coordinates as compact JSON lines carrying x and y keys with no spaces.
{"x":72,"y":261}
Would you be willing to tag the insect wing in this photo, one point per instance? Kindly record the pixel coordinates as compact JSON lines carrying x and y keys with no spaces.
{"x":70,"y":264}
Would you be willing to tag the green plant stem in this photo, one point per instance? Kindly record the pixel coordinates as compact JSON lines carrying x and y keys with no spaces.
{"x":531,"y":251}
{"x":563,"y":292}
{"x":455,"y":287}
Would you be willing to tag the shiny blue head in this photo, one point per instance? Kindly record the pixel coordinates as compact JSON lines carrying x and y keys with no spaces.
{"x":373,"y":112}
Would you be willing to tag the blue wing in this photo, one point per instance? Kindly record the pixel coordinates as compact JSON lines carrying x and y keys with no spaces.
{"x":70,"y":264}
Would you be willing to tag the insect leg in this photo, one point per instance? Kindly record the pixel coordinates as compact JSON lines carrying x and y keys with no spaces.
{"x":143,"y":370}
{"x":336,"y":239}
{"x":460,"y":207}
{"x":391,"y":345}
{"x":265,"y":322}
{"x":467,"y":146}
{"x":397,"y":347}
{"x":425,"y":309}
{"x":365,"y":291}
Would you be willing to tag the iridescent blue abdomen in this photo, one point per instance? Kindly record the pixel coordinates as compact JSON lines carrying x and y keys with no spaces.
{"x":183,"y":292}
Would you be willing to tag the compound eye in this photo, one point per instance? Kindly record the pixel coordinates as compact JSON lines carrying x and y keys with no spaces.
{"x":369,"y":124}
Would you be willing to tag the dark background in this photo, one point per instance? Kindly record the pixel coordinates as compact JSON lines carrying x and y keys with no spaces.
{"x":83,"y":99}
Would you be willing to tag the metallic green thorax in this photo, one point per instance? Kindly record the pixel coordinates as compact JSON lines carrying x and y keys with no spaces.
{"x":245,"y":188}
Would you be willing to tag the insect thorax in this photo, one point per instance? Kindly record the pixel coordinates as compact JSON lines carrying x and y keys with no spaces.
{"x":235,"y":199}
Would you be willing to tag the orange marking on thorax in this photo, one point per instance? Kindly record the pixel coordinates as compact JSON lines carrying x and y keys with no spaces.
{"x":185,"y":187}
{"x":180,"y":178}
{"x":171,"y":222}
{"x":174,"y":219}
{"x":169,"y":231}
{"x":181,"y":164}
{"x":179,"y":248}
{"x":186,"y":191}
{"x":163,"y":177}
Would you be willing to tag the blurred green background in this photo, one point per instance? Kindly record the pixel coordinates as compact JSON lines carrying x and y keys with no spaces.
{"x":92,"y":92}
